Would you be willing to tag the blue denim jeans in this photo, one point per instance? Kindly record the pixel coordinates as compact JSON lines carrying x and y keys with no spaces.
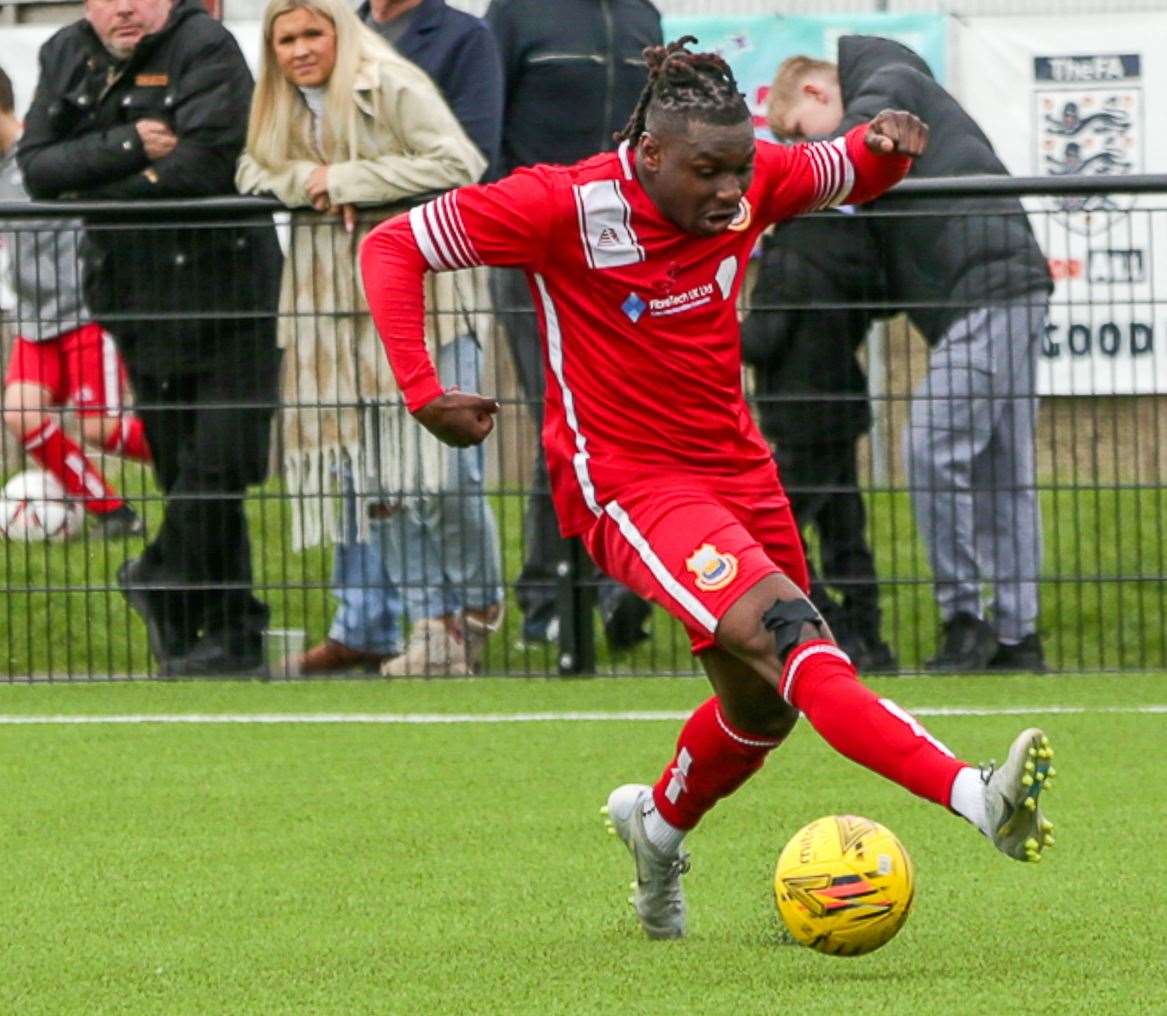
{"x":442,"y":549}
{"x":435,"y":554}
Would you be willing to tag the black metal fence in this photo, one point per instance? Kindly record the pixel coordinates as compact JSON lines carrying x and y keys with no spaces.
{"x":463,"y":570}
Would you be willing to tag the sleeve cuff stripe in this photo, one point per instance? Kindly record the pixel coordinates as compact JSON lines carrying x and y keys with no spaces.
{"x":421,"y":235}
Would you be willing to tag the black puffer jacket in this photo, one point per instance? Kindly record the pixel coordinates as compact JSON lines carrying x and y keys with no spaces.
{"x":161,"y":287}
{"x":986,"y":252}
{"x":573,"y":72}
{"x":811,"y":388}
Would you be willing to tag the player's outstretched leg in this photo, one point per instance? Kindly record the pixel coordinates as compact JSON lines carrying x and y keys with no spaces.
{"x":818,"y":679}
{"x":657,"y":894}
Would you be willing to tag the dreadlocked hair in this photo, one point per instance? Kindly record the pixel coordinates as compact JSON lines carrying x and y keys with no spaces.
{"x":686,"y":84}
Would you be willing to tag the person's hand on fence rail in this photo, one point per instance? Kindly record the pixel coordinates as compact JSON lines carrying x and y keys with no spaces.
{"x":459,"y":418}
{"x":897,"y":132}
{"x":158,"y":139}
{"x":318,"y":189}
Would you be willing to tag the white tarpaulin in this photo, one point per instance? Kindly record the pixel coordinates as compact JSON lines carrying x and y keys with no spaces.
{"x":1083,"y":95}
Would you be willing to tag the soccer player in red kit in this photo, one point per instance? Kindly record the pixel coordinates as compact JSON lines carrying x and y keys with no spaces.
{"x":635,"y":259}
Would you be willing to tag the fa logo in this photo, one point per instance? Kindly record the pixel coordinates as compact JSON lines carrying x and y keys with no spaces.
{"x":713,"y":569}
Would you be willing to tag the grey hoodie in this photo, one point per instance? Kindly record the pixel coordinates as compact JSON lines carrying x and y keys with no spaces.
{"x":46,"y":264}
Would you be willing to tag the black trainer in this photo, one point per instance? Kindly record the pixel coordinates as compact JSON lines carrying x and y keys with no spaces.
{"x":1026,"y":655}
{"x":219,"y":654}
{"x":967,"y":645}
{"x":872,"y":656}
{"x":624,"y":622}
{"x":119,"y":523}
{"x":166,"y":637}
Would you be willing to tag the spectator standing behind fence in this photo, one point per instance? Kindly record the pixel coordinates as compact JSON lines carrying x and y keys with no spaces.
{"x":812,"y":400}
{"x":573,"y":72}
{"x":441,"y":548}
{"x":60,"y":356}
{"x":978,"y":287}
{"x":147,"y":99}
{"x":340,"y":121}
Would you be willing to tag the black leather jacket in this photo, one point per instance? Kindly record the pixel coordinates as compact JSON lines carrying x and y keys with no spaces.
{"x":166,"y":285}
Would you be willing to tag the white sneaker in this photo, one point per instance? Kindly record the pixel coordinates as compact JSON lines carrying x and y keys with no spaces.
{"x":659,"y":899}
{"x":1016,"y":824}
{"x":433,"y":650}
{"x":476,"y":630}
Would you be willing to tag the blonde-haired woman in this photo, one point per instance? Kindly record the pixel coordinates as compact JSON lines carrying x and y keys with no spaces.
{"x":339,"y":121}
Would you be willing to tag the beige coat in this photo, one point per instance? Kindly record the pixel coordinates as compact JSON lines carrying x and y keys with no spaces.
{"x":340,"y":404}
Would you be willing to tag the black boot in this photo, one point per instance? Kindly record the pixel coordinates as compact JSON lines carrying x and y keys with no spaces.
{"x":220,"y":654}
{"x":624,"y":617}
{"x":1026,"y":655}
{"x":167,"y":632}
{"x":967,"y":646}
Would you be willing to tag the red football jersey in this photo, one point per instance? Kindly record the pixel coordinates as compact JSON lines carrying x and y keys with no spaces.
{"x":639,"y":320}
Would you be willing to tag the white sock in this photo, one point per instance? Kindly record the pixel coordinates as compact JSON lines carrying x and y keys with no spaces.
{"x":665,"y":837}
{"x":968,"y":797}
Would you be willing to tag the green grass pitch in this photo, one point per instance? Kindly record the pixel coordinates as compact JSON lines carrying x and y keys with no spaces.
{"x":464,"y":868}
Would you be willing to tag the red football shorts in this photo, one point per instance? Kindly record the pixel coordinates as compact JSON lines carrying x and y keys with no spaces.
{"x":81,"y":367}
{"x":695,"y":547}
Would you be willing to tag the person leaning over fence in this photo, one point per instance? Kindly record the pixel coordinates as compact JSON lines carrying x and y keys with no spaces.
{"x":677,"y":494}
{"x":147,"y":99}
{"x":812,"y":401}
{"x":440,"y":548}
{"x":977,"y":286}
{"x":571,"y":80}
{"x":340,"y":121}
{"x":60,"y":356}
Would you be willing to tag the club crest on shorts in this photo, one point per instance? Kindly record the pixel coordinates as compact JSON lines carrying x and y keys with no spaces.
{"x":713,"y":569}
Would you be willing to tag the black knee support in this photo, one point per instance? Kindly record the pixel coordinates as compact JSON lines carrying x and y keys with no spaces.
{"x":786,"y":618}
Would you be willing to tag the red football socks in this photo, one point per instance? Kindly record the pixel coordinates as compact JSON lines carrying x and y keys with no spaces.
{"x":712,"y":760}
{"x":820,"y":681}
{"x":129,"y":439}
{"x":61,"y":456}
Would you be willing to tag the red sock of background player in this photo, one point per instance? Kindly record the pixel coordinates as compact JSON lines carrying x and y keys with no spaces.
{"x":820,"y":681}
{"x":61,"y":456}
{"x":129,"y":439}
{"x":712,"y":760}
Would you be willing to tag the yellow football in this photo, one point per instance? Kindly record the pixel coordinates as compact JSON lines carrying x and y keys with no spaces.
{"x":844,"y":885}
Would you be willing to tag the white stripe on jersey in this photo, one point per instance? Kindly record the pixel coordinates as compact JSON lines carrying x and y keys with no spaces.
{"x":660,"y":572}
{"x":555,"y":355}
{"x":834,"y":173}
{"x":111,"y":378}
{"x":625,"y":162}
{"x":441,"y":235}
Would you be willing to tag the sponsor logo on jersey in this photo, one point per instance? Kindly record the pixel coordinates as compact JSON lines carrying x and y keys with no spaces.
{"x":634,"y":306}
{"x":677,"y":303}
{"x":745,"y":215}
{"x":713,"y":570}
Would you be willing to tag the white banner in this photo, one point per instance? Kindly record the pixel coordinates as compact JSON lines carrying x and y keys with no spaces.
{"x":1083,"y":95}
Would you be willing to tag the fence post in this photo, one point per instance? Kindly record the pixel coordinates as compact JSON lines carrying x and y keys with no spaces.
{"x":576,"y":593}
